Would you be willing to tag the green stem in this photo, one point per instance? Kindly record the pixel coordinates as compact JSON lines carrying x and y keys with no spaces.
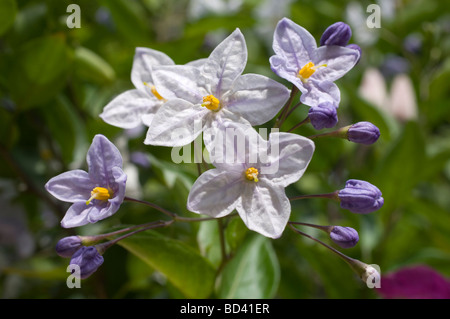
{"x":333,"y":196}
{"x":305,"y":121}
{"x":283,"y":115}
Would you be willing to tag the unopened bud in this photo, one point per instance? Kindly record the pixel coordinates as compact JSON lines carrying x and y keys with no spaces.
{"x":323,"y":116}
{"x":88,"y":259}
{"x":345,"y":237}
{"x":360,"y":197}
{"x":363,"y":133}
{"x":338,"y":33}
{"x":67,"y":246}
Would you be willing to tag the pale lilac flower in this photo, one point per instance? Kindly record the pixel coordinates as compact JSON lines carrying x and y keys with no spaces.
{"x":360,"y":197}
{"x":311,"y":69}
{"x":96,"y":194}
{"x":134,"y":107}
{"x":250,"y":176}
{"x":202,"y":97}
{"x":88,"y":259}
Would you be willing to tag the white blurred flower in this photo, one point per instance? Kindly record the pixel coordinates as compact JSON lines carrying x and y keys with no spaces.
{"x":400,"y":102}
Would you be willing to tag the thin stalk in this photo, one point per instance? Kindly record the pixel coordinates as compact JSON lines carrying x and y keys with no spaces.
{"x":305,"y":121}
{"x":333,"y":195}
{"x":286,"y":107}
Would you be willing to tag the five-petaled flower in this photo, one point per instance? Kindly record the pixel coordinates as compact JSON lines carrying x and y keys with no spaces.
{"x":202,"y":97}
{"x":136,"y":106}
{"x":251,"y":176}
{"x":311,"y":69}
{"x":96,"y":194}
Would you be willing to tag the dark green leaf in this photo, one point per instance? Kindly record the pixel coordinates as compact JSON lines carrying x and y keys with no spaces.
{"x":183,"y":266}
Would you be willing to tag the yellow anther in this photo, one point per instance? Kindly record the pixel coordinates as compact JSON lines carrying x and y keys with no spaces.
{"x":99,"y":193}
{"x":252,"y":174}
{"x":155,"y":93}
{"x":307,"y":70}
{"x":211,"y":102}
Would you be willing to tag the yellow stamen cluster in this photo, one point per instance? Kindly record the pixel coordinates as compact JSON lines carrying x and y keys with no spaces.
{"x":155,"y":93}
{"x":211,"y":102}
{"x":252,"y":174}
{"x":99,"y":193}
{"x":307,"y":70}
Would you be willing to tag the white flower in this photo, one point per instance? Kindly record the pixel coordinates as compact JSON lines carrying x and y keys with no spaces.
{"x":134,"y":107}
{"x":203,"y":97}
{"x":254,"y":181}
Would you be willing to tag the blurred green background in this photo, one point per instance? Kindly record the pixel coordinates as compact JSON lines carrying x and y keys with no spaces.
{"x":55,"y":81}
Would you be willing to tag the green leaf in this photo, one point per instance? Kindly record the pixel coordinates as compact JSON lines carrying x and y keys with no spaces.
{"x":400,"y":170}
{"x":254,"y":271}
{"x":183,"y":266}
{"x":91,"y":67}
{"x":235,"y":232}
{"x":8,"y":11}
{"x":39,"y":70}
{"x":209,"y":241}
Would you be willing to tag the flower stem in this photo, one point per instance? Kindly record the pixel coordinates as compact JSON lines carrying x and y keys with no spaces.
{"x":158,"y":224}
{"x":305,"y":121}
{"x":326,"y":229}
{"x":341,"y":133}
{"x":284,"y":112}
{"x":174,"y":216}
{"x":222,"y":239}
{"x":333,"y":195}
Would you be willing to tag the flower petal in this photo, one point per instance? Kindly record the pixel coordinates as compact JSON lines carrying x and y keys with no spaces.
{"x":293,"y":43}
{"x":216,"y":193}
{"x":144,"y":60}
{"x":177,"y":123}
{"x":78,"y":215}
{"x":126,"y":110}
{"x":179,"y":81}
{"x":226,"y":63}
{"x":289,"y":156}
{"x":256,"y":98}
{"x":339,"y":60}
{"x":101,"y":158}
{"x":234,"y":143}
{"x":264,"y":208}
{"x":71,"y":186}
{"x":316,"y":93}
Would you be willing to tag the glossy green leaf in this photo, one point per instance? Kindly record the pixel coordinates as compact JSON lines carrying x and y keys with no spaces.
{"x":209,"y":241}
{"x":399,"y":171}
{"x":39,"y":70}
{"x":91,"y":67}
{"x":254,"y":271}
{"x":183,"y":266}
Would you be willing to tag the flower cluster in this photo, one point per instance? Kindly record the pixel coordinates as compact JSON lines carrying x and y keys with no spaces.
{"x":213,"y":97}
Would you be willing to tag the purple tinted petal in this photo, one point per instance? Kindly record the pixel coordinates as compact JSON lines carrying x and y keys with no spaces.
{"x":226,"y":63}
{"x":345,"y":237}
{"x":88,"y":259}
{"x":78,"y":214}
{"x":101,"y":158}
{"x":338,"y":33}
{"x":71,"y":186}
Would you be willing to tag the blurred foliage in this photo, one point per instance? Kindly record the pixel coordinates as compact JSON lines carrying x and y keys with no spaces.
{"x":55,"y":81}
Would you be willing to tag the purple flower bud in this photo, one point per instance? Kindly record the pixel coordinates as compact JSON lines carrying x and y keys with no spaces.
{"x":355,"y":47}
{"x":360,"y":197}
{"x":363,"y":133}
{"x":345,"y":237}
{"x":67,"y":246}
{"x":88,"y":259}
{"x":338,"y":33}
{"x":323,"y":116}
